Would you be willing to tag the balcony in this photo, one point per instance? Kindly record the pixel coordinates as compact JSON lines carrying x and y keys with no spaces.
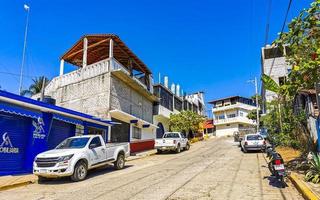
{"x":234,"y":106}
{"x":162,"y":111}
{"x":98,"y":68}
{"x":237,"y":119}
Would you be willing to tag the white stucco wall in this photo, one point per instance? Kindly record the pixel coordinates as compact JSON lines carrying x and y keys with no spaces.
{"x":224,"y":130}
{"x":165,"y":122}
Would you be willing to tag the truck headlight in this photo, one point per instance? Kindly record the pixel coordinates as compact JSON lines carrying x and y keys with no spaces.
{"x":65,"y":158}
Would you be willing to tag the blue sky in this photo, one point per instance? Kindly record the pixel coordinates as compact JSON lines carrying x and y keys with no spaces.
{"x":208,"y":45}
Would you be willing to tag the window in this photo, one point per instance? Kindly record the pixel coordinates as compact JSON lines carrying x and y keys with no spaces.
{"x":79,"y":130}
{"x":177,"y":104}
{"x":274,"y":52}
{"x":171,"y":135}
{"x":96,"y":141}
{"x":282,"y":80}
{"x":231,"y":115}
{"x":73,"y":143}
{"x":221,"y":117}
{"x":136,"y":132}
{"x":254,"y":137}
{"x":241,"y":113}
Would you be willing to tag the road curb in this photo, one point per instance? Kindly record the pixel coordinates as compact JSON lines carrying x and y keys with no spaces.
{"x":14,"y":185}
{"x":306,"y":192}
{"x":140,"y":157}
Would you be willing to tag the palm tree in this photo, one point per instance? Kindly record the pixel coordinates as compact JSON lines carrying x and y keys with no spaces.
{"x":36,"y":86}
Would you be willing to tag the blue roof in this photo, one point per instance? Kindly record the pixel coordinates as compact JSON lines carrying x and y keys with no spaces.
{"x":15,"y":109}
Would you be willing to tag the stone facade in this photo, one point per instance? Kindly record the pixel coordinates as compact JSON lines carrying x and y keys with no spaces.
{"x":280,"y":69}
{"x":124,"y":98}
{"x":100,"y":94}
{"x":91,"y":96}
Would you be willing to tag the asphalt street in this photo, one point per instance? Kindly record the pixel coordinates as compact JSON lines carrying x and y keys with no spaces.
{"x":212,"y":169}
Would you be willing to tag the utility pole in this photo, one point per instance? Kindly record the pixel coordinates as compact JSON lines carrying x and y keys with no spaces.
{"x":255,"y":82}
{"x":27,"y":8}
{"x":257,"y":103}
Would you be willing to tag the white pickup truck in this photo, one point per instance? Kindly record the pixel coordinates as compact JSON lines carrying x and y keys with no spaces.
{"x":172,"y":141}
{"x":76,"y":155}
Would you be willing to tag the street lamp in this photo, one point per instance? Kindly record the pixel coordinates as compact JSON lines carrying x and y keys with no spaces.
{"x":26,"y":8}
{"x":255,"y":82}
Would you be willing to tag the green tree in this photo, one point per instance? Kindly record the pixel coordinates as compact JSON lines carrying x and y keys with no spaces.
{"x":185,"y":121}
{"x":303,"y":44}
{"x":36,"y":86}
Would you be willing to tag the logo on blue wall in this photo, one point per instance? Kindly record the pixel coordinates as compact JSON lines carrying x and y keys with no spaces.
{"x":38,"y":132}
{"x":6,"y":145}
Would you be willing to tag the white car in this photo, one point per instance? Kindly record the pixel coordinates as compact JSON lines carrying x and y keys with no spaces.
{"x":76,"y":155}
{"x":172,"y":141}
{"x":252,"y":142}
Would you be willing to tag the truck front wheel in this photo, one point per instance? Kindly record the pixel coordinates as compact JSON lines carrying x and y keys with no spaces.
{"x":178,"y":149}
{"x":80,"y":172}
{"x":120,"y":162}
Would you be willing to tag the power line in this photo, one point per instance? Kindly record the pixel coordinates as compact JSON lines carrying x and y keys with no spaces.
{"x":280,"y":36}
{"x":268,"y":23}
{"x":14,"y":74}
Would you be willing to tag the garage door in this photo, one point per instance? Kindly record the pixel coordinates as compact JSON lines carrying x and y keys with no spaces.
{"x":14,"y":132}
{"x":60,"y":130}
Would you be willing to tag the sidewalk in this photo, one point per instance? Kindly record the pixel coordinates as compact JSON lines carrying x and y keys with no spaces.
{"x":142,"y":154}
{"x":8,"y":182}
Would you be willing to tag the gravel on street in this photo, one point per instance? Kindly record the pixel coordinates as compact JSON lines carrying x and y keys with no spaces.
{"x":212,"y":169}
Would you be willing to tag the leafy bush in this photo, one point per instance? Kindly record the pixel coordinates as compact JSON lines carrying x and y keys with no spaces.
{"x":313,"y":174}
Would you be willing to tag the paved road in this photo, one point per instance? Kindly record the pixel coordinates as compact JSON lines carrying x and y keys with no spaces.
{"x":213,"y":169}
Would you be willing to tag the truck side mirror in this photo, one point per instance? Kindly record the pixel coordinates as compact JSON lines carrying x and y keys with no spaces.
{"x":92,"y":146}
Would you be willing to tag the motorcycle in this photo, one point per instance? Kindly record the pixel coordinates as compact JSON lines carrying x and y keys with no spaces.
{"x":276,"y":165}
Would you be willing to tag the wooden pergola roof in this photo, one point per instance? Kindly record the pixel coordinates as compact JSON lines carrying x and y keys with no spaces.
{"x":98,"y":49}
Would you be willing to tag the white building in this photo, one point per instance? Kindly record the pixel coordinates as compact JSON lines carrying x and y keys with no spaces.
{"x":230,"y":114}
{"x":111,"y":83}
{"x":273,"y":64}
{"x":172,"y":101}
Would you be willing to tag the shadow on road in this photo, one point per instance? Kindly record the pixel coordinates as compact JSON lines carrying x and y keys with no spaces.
{"x":91,"y":174}
{"x":274,"y":182}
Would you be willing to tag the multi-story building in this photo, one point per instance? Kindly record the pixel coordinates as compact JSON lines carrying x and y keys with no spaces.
{"x":230,"y":114}
{"x":273,"y":64}
{"x":173,"y":102}
{"x":110,"y":82}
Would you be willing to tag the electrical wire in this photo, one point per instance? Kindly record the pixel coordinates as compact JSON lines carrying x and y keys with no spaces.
{"x":280,"y":36}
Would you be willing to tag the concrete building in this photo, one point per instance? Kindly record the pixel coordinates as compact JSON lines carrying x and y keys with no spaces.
{"x":230,"y":115}
{"x":172,"y":101}
{"x":273,"y":57}
{"x":112,"y":83}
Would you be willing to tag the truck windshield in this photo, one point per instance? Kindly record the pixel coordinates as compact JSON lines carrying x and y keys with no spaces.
{"x":73,"y":143}
{"x":171,"y":135}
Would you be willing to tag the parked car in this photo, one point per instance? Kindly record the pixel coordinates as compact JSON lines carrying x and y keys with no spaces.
{"x":76,"y":155}
{"x":252,"y":142}
{"x":172,"y":141}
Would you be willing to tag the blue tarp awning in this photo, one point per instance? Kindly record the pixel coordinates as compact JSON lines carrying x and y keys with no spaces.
{"x":12,"y":109}
{"x":67,"y":119}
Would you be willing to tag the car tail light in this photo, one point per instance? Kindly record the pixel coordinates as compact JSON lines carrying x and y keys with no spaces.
{"x":264,"y":142}
{"x":246,"y":143}
{"x":277,"y":162}
{"x":174,"y":141}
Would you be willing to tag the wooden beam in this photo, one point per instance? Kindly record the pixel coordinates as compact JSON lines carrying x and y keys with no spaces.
{"x":90,"y":46}
{"x":128,"y":56}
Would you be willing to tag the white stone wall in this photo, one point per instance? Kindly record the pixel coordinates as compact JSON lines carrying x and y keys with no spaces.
{"x":128,"y":100}
{"x":89,"y":96}
{"x":165,"y":122}
{"x":224,"y":130}
{"x":280,"y":68}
